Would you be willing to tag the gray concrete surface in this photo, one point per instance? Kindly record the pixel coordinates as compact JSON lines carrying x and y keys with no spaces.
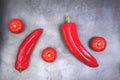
{"x":93,"y":18}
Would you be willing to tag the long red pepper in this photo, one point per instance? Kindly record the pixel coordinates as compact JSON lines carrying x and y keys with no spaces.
{"x":26,"y":49}
{"x":71,"y":38}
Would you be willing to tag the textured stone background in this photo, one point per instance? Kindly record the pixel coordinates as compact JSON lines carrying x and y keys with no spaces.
{"x":93,"y":18}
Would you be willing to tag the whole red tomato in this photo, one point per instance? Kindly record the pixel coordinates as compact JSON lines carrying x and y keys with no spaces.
{"x":16,"y":25}
{"x":98,"y":44}
{"x":49,"y":54}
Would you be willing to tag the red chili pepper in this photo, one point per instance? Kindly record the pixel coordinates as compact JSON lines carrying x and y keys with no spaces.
{"x":71,"y":38}
{"x":26,"y":49}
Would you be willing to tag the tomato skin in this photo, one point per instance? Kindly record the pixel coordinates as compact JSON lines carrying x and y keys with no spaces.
{"x":16,"y":25}
{"x":98,"y":44}
{"x":49,"y":54}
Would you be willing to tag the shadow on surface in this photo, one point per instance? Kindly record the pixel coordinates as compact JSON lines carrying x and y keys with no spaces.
{"x":2,"y":8}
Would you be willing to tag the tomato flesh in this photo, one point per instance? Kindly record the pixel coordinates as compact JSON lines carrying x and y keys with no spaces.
{"x":98,"y":44}
{"x":49,"y":54}
{"x":16,"y":25}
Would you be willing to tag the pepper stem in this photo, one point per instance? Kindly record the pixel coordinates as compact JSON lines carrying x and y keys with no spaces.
{"x":20,"y":71}
{"x":68,"y":19}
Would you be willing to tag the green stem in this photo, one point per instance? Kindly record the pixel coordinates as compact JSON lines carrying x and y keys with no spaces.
{"x":20,"y":71}
{"x":68,"y":19}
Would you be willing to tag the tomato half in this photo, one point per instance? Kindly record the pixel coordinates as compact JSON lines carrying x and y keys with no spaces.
{"x":49,"y":54}
{"x":98,"y":44}
{"x":16,"y":25}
